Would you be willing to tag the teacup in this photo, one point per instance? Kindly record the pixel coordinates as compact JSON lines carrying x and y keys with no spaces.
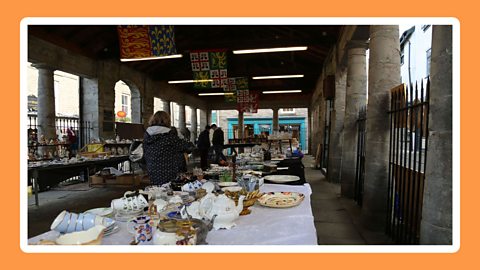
{"x":141,"y":228}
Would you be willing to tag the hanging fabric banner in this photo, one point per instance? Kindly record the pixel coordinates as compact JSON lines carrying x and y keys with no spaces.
{"x":247,"y":101}
{"x":140,"y":41}
{"x":235,"y":84}
{"x":209,"y":68}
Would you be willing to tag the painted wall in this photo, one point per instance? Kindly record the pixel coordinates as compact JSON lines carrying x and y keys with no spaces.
{"x":415,"y":53}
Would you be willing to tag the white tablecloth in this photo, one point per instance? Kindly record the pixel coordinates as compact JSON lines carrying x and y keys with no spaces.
{"x":263,"y":226}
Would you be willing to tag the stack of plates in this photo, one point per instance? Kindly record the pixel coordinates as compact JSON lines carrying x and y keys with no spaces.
{"x":127,"y":215}
{"x":111,"y":226}
{"x":105,"y":213}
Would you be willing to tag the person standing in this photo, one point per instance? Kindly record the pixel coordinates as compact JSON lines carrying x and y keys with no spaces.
{"x":163,"y":150}
{"x":72,"y":140}
{"x":217,"y":142}
{"x":203,"y":145}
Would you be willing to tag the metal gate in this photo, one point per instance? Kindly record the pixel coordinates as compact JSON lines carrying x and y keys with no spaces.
{"x":409,"y":109}
{"x":360,"y":167}
{"x":326,"y":135}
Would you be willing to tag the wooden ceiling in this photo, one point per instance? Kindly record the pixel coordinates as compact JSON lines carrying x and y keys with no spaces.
{"x":101,"y":43}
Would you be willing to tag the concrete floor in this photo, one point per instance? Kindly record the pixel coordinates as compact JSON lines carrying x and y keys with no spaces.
{"x":336,"y":219}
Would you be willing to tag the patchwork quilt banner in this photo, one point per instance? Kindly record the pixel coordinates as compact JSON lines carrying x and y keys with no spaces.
{"x":235,"y":84}
{"x":209,"y":68}
{"x":140,"y":41}
{"x":247,"y":101}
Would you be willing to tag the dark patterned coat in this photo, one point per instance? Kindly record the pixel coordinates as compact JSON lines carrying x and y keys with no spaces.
{"x":163,"y":153}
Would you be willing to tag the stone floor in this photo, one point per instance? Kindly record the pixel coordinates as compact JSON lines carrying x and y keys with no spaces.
{"x":336,"y":218}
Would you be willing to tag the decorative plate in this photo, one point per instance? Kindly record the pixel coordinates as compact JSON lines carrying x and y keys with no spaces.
{"x":227,"y":184}
{"x":281,"y":178}
{"x":281,"y":199}
{"x":102,"y":211}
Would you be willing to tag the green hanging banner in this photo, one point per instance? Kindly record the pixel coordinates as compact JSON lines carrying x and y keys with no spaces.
{"x":209,"y":68}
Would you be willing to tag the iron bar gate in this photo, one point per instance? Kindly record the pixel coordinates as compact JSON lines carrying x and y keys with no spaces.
{"x":360,"y":167}
{"x":409,"y":110}
{"x":329,"y":103}
{"x":81,"y":128}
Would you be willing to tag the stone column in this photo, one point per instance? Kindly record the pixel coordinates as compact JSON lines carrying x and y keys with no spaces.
{"x":203,"y":119}
{"x":436,"y":225}
{"x":241,"y":126}
{"x":166,"y":106}
{"x":384,"y":74}
{"x":209,"y":117}
{"x":193,"y":124}
{"x":181,"y":117}
{"x":275,"y":120}
{"x":336,"y":133}
{"x":356,"y":98}
{"x":46,"y":102}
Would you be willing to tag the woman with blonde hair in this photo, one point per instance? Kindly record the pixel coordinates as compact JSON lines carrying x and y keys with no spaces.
{"x":163,"y":149}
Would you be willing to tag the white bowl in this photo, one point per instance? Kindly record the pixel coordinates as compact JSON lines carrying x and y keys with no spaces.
{"x":90,"y":236}
{"x":72,"y":223}
{"x":60,"y":223}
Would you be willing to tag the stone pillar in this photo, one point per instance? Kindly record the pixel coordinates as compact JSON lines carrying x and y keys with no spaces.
{"x":91,"y":107}
{"x":181,"y":117}
{"x":356,"y":98}
{"x":46,"y":102}
{"x":193,"y":124}
{"x":166,"y":106}
{"x":436,"y":226}
{"x":209,"y":117}
{"x":203,"y":119}
{"x":383,"y":75}
{"x":275,"y":120}
{"x":241,"y":126}
{"x":336,"y":132}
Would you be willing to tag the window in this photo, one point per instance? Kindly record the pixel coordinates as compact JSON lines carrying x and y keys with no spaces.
{"x":287,"y":111}
{"x":125,"y":103}
{"x":429,"y":56}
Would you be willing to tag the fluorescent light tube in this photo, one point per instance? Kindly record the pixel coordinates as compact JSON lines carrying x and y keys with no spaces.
{"x":216,"y":94}
{"x":152,"y":58}
{"x":282,"y":91}
{"x":267,"y":50}
{"x":278,"y":77}
{"x":189,"y":81}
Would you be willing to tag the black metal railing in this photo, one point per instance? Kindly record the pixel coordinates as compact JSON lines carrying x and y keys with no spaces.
{"x":81,"y":128}
{"x":360,"y":163}
{"x":409,"y":110}
{"x":329,"y":106}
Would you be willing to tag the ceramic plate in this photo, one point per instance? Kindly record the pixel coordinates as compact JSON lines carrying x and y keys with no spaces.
{"x":281,"y":178}
{"x":227,"y":184}
{"x":281,"y":199}
{"x":111,"y":231}
{"x":102,"y":211}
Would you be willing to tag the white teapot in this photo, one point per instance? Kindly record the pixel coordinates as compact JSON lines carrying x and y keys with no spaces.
{"x":223,"y":208}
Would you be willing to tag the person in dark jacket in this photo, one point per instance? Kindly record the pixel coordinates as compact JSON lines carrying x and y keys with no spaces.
{"x":163,"y":150}
{"x":217,"y":142}
{"x":203,"y":145}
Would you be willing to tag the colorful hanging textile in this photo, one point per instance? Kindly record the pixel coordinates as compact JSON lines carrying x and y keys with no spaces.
{"x":140,"y":41}
{"x":209,"y":68}
{"x":247,"y":101}
{"x":234,"y":84}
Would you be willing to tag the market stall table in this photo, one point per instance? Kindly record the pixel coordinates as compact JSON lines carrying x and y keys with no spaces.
{"x":264,"y":226}
{"x":44,"y":174}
